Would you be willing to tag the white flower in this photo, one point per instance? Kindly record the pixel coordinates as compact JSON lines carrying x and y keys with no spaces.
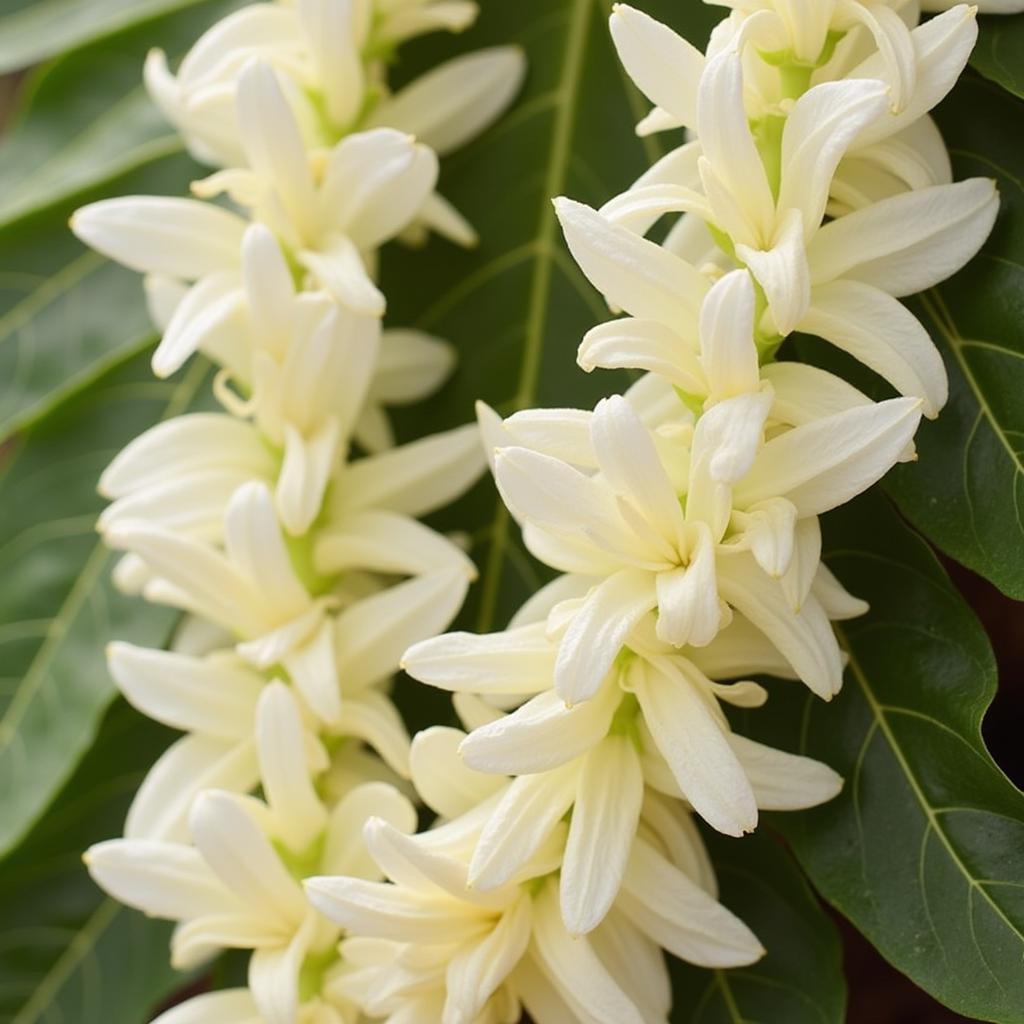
{"x":692,"y":527}
{"x":848,"y":299}
{"x":213,"y":698}
{"x":252,"y":589}
{"x":238,"y":886}
{"x":655,"y":721}
{"x":330,"y":52}
{"x":372,"y":185}
{"x":790,"y":47}
{"x":181,"y":474}
{"x":453,"y":951}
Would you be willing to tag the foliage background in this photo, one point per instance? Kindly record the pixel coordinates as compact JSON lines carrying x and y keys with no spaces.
{"x":937,"y":893}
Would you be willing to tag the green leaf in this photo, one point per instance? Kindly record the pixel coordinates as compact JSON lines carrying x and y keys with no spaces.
{"x":517,"y":307}
{"x":924,"y":849}
{"x":38,"y":29}
{"x":58,"y":607}
{"x":966,"y":493}
{"x":999,"y":54}
{"x":87,"y":130}
{"x":800,"y":980}
{"x":68,"y":953}
{"x":86,"y":119}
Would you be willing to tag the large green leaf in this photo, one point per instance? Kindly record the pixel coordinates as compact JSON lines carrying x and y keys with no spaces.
{"x":58,"y":607}
{"x":800,"y":980}
{"x":86,"y":119}
{"x":967,"y":491}
{"x":33,"y":30}
{"x":68,"y":954}
{"x":86,"y":130}
{"x":924,"y":849}
{"x":999,"y":54}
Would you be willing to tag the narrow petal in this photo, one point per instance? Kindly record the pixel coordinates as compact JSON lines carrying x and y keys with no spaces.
{"x":518,"y":660}
{"x":416,"y":478}
{"x":785,"y":782}
{"x":681,"y":916}
{"x":345,"y":851}
{"x":783,"y":272}
{"x":274,"y":975}
{"x":883,"y":334}
{"x":209,"y":306}
{"x":169,"y":880}
{"x":411,"y":366}
{"x":597,"y":632}
{"x":387,"y":542}
{"x":694,"y":743}
{"x":826,"y":463}
{"x":629,"y":461}
{"x":243,"y":858}
{"x":910,"y":242}
{"x":634,"y":344}
{"x":217,"y":697}
{"x":477,"y":971}
{"x":231,"y":1006}
{"x":689,"y":608}
{"x":727,"y":349}
{"x":372,"y":635}
{"x":729,"y":147}
{"x":182,"y":445}
{"x":740,"y":650}
{"x":374,"y":184}
{"x":255,"y":544}
{"x":665,"y":67}
{"x":604,"y":823}
{"x":804,"y":638}
{"x":454,"y":102}
{"x":941,"y":46}
{"x":821,"y":127}
{"x":580,"y":977}
{"x":541,"y":735}
{"x":287,"y":785}
{"x":340,"y":269}
{"x":447,"y":785}
{"x":838,"y":603}
{"x":528,"y":811}
{"x":188,"y":766}
{"x":374,"y":718}
{"x":273,"y":143}
{"x":182,"y":238}
{"x":632,"y":273}
{"x":376,"y":909}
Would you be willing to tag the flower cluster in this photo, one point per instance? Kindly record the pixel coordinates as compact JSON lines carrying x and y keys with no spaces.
{"x":286,"y":526}
{"x":683,"y":519}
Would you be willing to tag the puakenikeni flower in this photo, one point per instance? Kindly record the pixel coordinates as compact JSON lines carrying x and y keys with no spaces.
{"x":429,"y":945}
{"x":239,"y":886}
{"x":697,"y":522}
{"x":655,"y":722}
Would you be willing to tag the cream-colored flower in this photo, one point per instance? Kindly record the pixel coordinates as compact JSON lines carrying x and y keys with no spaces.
{"x":458,"y":954}
{"x":239,"y":885}
{"x":252,"y":589}
{"x":694,"y":523}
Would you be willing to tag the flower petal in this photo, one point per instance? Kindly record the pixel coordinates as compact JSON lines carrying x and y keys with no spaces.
{"x":694,"y":742}
{"x":605,"y":816}
{"x":632,"y":273}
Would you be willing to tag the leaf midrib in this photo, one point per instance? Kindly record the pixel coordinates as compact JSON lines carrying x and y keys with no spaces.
{"x":540,"y":284}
